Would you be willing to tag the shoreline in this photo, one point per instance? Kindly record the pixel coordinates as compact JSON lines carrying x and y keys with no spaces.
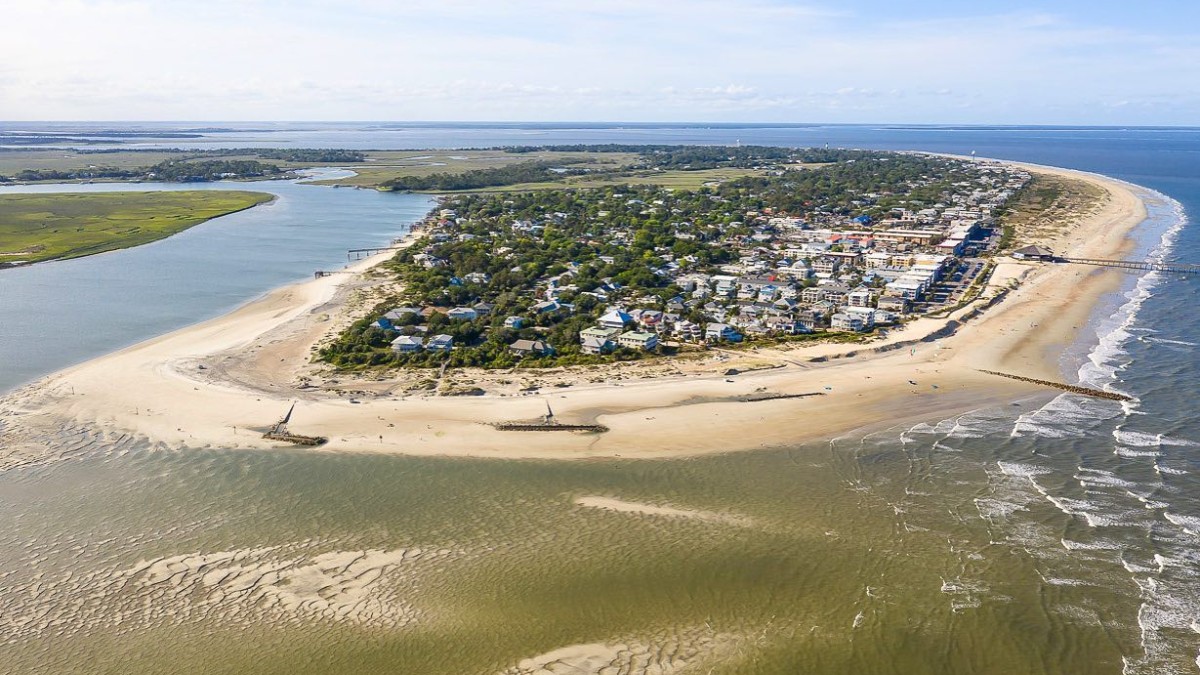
{"x":219,"y":383}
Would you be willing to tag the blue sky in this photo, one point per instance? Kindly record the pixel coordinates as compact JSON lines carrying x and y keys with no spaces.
{"x":982,"y":62}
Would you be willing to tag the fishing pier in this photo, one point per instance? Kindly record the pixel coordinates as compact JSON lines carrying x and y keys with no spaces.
{"x":1137,"y":265}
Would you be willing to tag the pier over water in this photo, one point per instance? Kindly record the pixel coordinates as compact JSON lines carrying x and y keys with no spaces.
{"x":1141,"y":265}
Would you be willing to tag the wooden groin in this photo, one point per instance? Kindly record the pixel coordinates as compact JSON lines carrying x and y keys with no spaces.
{"x":769,"y":396}
{"x":1072,"y":388}
{"x":279,"y":432}
{"x":554,"y":426}
{"x":295,"y":439}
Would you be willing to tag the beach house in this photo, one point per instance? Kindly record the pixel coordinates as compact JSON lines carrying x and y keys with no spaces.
{"x":406,"y":343}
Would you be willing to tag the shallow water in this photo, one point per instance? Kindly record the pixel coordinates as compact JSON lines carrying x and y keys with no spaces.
{"x":60,"y":313}
{"x":1048,"y":536}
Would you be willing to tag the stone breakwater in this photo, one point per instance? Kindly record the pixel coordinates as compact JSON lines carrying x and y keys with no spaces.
{"x":1072,"y":388}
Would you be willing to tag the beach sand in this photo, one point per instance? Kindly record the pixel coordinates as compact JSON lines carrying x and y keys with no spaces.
{"x":222,"y":382}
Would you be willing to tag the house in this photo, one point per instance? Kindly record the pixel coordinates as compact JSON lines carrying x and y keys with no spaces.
{"x":896,"y":304}
{"x":400,"y":312}
{"x":859,"y":297}
{"x":595,"y":345}
{"x":721,"y":332}
{"x":867,"y":315}
{"x":850,"y":322}
{"x":650,"y":318}
{"x":1034,"y":253}
{"x":547,"y":306}
{"x":440,"y":343}
{"x":514,"y":322}
{"x":483,"y":308}
{"x":638,"y":340}
{"x":462,"y":314}
{"x":598,"y":339}
{"x":531,"y":348}
{"x":384,"y":323}
{"x":686,"y":330}
{"x":406,"y":343}
{"x":615,"y":318}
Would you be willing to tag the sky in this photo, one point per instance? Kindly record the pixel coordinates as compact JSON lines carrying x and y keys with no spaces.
{"x":1097,"y":62}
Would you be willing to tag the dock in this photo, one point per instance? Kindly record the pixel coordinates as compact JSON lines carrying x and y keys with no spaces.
{"x":360,"y":253}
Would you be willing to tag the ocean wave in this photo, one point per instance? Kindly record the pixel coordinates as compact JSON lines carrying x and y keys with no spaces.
{"x":1096,"y":478}
{"x":1131,"y":453}
{"x":1065,"y":416}
{"x":1022,"y":470}
{"x":1142,"y":439}
{"x":1189,"y":524}
{"x":1110,"y":355}
{"x":1170,"y":471}
{"x":1165,"y":341}
{"x":1097,"y":545}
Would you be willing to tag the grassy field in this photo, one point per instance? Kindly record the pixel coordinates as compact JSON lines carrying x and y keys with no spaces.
{"x":382,"y":166}
{"x":13,"y":161}
{"x":609,"y":168}
{"x":1046,"y":207}
{"x":40,"y":227}
{"x":679,"y":180}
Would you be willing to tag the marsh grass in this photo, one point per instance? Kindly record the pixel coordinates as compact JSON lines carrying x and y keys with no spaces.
{"x":40,"y":227}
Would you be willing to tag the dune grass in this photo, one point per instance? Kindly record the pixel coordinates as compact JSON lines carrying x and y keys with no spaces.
{"x":54,"y":226}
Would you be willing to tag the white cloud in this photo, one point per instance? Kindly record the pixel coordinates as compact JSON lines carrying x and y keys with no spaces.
{"x":589,"y":59}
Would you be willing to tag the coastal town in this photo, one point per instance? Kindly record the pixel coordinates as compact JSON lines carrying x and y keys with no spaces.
{"x":835,"y":250}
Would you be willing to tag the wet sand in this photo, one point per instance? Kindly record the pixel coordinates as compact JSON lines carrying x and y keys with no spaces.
{"x":219,"y":383}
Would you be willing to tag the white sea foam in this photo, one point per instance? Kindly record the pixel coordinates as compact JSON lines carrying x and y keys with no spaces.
{"x":991,"y":509}
{"x":1066,"y":416}
{"x":1142,"y":439}
{"x":1022,"y":470}
{"x":1095,"y":478}
{"x":1189,"y":524}
{"x":1097,"y":545}
{"x":1165,"y":341}
{"x":1130,"y":453}
{"x":1110,"y":355}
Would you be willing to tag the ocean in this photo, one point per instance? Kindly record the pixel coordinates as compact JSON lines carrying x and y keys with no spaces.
{"x":1058,"y":536}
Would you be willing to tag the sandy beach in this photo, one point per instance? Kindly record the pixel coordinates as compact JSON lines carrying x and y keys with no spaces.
{"x":222,"y":382}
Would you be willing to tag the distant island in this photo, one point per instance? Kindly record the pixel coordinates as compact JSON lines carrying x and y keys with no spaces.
{"x":172,"y":166}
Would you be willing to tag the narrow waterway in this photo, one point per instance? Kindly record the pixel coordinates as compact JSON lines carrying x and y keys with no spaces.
{"x":60,"y":313}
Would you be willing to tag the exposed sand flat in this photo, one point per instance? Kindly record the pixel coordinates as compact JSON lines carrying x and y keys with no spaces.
{"x":622,"y":506}
{"x":670,"y":653}
{"x":220,"y":382}
{"x":369,"y":588}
